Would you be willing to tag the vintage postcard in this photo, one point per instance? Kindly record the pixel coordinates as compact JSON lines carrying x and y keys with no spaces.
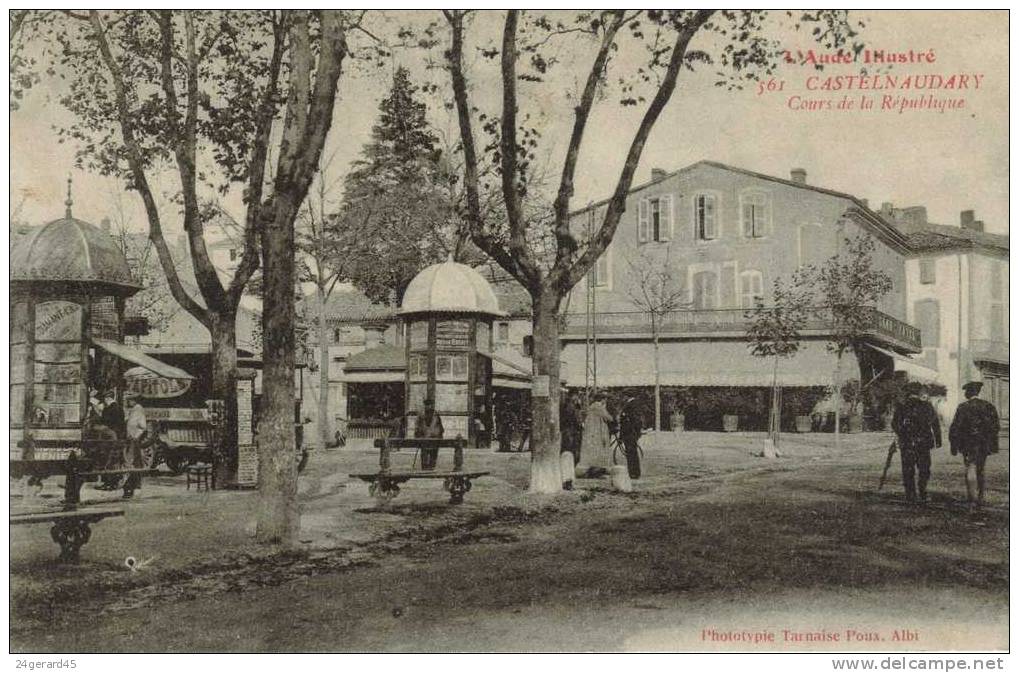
{"x":524,"y":330}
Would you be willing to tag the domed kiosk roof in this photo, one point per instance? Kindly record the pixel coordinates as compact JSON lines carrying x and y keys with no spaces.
{"x":71,"y":251}
{"x":450,"y":287}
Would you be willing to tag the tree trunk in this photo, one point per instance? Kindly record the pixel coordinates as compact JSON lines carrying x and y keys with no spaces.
{"x":658,"y":377}
{"x":223,"y":332}
{"x":324,"y":424}
{"x":545,"y":441}
{"x":278,"y":515}
{"x":774,"y":421}
{"x":838,"y":400}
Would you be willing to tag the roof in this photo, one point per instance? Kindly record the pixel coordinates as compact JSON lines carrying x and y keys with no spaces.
{"x":450,"y":287}
{"x":936,"y":237}
{"x":383,"y":357}
{"x":349,"y":306}
{"x":513,"y":297}
{"x":70,"y":250}
{"x":889,"y":232}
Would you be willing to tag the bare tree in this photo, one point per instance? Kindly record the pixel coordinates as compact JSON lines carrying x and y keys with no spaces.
{"x":525,"y":55}
{"x":209,"y":93}
{"x":655,"y":289}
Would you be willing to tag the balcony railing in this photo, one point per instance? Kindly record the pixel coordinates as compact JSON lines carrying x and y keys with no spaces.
{"x":731,"y":322}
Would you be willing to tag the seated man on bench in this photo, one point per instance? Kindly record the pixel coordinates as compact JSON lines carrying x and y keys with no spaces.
{"x":108,"y":426}
{"x":428,"y":426}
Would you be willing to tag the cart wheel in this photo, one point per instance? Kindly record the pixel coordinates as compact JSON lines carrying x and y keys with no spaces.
{"x":177,"y":464}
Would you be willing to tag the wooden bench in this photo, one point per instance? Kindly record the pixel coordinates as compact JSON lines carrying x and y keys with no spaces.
{"x":71,"y":529}
{"x":385,"y":484}
{"x":76,"y":472}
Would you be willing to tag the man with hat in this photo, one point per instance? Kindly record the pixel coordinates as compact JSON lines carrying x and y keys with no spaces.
{"x":974,"y":434}
{"x":918,"y":431}
{"x":631,"y":423}
{"x":428,"y":426}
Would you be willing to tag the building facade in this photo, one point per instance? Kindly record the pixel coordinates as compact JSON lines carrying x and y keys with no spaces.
{"x":724,"y":235}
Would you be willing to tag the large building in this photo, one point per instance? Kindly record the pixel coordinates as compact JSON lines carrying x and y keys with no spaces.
{"x":725,"y":235}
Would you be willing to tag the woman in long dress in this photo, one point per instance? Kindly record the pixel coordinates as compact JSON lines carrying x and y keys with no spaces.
{"x":596,"y":447}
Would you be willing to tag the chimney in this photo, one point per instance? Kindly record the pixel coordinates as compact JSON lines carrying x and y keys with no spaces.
{"x":886,"y":208}
{"x":798,"y":175}
{"x":967,"y":220}
{"x":105,"y":224}
{"x":911,"y":218}
{"x":865,"y":202}
{"x":658,"y":174}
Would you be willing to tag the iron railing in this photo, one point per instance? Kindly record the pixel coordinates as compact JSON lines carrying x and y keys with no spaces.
{"x":730,"y":322}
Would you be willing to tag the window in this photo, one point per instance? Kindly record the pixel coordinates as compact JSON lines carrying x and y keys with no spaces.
{"x":502,"y":335}
{"x":654,"y":219}
{"x":927,"y":271}
{"x":233,"y":254}
{"x":927,"y":315}
{"x":599,"y":276}
{"x":705,"y":217}
{"x":751,"y":288}
{"x":809,"y":238}
{"x":755,"y":214}
{"x":705,"y":290}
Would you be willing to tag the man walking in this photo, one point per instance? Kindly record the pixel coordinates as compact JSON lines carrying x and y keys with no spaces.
{"x":917,"y":428}
{"x":631,"y":422}
{"x":974,"y":434}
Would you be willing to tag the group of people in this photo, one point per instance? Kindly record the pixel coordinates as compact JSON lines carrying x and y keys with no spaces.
{"x":108,"y":421}
{"x":591,"y":440}
{"x":972,"y":434}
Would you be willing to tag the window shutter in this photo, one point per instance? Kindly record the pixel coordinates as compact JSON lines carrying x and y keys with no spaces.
{"x":665,"y":228}
{"x":710,"y":226}
{"x":643,"y":223}
{"x":748,"y":218}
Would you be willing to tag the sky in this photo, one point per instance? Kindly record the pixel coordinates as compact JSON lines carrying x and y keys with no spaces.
{"x":948,"y":161}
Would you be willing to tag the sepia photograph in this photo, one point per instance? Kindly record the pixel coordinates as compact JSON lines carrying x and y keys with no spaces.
{"x":509,"y":330}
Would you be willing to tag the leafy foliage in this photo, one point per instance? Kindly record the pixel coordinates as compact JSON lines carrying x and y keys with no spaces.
{"x":399,"y":202}
{"x":849,"y":286}
{"x":775,"y":330}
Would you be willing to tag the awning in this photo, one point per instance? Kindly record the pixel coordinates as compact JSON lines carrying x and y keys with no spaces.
{"x":135,"y":356}
{"x":908,"y":365}
{"x":508,"y":367}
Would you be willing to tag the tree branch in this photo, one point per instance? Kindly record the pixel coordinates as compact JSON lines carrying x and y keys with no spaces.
{"x":567,"y":276}
{"x":488,"y":243}
{"x":136,"y":164}
{"x":565,"y":243}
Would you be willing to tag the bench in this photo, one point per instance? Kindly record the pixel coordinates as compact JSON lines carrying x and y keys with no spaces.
{"x":71,"y":529}
{"x":385,"y":484}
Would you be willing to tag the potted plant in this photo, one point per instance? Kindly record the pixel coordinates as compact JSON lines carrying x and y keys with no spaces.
{"x":730,"y":422}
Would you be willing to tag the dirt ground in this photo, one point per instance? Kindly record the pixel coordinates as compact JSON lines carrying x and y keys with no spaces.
{"x":716,"y":550}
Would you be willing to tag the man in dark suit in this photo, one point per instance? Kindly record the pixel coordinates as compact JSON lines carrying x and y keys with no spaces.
{"x":631,"y":423}
{"x":974,"y":434}
{"x":918,"y":431}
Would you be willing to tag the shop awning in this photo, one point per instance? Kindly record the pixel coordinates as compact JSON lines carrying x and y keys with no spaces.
{"x":908,"y":365}
{"x":503,"y":366}
{"x":135,"y":356}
